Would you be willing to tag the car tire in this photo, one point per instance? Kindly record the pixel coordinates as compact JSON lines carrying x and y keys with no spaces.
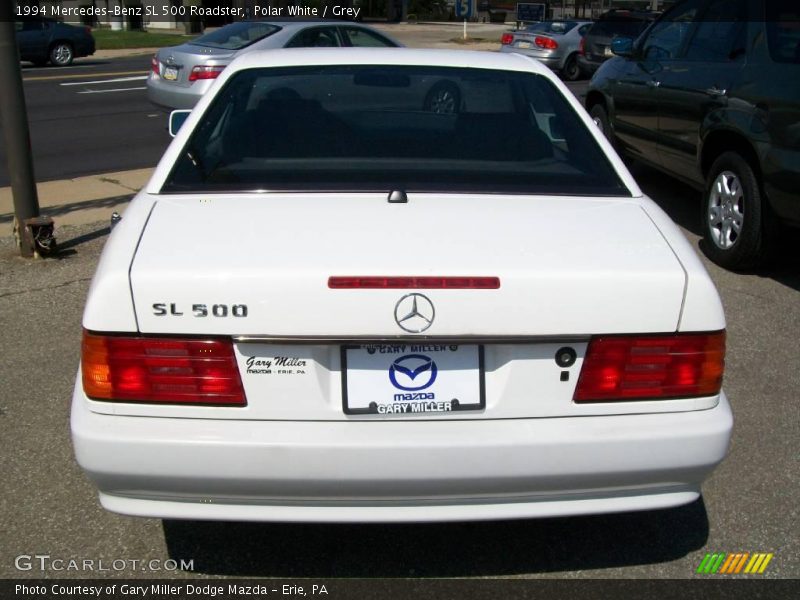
{"x":443,"y":98}
{"x":62,"y":54}
{"x":599,"y":115}
{"x":572,"y":70}
{"x":733,"y":214}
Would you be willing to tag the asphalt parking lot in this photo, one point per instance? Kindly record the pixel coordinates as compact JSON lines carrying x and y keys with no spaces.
{"x":749,"y":504}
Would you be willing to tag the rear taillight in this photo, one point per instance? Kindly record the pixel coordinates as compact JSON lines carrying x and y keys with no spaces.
{"x":426,"y":282}
{"x":154,"y":65}
{"x":582,"y":47}
{"x":88,"y":30}
{"x":652,"y":367}
{"x":162,"y":370}
{"x":206,"y":72}
{"x":545,"y":42}
{"x":506,"y":39}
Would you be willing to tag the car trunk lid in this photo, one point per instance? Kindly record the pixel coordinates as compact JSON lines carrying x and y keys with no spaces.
{"x":566,"y":265}
{"x":176,"y":64}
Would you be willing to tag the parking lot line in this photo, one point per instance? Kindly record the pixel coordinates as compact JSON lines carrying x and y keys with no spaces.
{"x":117,"y":80}
{"x":79,"y":75}
{"x":110,"y":91}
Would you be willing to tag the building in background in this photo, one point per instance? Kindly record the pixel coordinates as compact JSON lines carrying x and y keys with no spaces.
{"x":592,"y":9}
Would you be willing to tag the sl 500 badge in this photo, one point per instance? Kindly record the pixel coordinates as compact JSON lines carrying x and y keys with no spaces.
{"x":164,"y":309}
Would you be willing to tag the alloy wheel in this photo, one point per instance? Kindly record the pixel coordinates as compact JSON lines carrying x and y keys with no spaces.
{"x":62,"y":54}
{"x":726,"y":210}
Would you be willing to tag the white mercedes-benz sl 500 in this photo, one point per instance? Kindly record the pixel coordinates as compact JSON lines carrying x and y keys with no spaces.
{"x":396,"y":285}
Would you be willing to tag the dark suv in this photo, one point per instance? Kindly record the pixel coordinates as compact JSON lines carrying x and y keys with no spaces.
{"x":595,"y":47}
{"x":710,"y":94}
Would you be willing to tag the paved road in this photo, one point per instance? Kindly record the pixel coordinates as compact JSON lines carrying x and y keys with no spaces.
{"x":47,"y":506}
{"x":91,"y":118}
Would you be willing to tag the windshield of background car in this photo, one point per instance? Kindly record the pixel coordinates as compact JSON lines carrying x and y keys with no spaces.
{"x":379,"y":128}
{"x":622,"y":27}
{"x":236,"y":36}
{"x":552,"y":26}
{"x":783,"y":30}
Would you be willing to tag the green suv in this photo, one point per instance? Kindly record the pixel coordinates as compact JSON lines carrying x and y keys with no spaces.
{"x":710,"y":94}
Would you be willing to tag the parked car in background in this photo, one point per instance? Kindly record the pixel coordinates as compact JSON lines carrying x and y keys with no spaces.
{"x":42,"y":40}
{"x":554,"y":43}
{"x":180,"y":75}
{"x":595,"y":46}
{"x":330,"y":305}
{"x":711,"y":95}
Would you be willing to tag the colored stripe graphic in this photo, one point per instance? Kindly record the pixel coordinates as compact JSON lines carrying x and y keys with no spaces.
{"x":759,"y":562}
{"x":734,"y":563}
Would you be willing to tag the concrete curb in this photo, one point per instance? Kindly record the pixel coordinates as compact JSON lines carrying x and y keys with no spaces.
{"x":81,"y":200}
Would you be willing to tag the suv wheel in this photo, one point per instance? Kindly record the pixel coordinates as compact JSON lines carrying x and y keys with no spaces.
{"x":733,"y":214}
{"x":61,"y":54}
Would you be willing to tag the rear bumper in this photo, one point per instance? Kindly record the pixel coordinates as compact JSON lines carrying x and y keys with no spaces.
{"x":397,"y":471}
{"x":175,"y":97}
{"x":550,"y":60}
{"x":587,"y":65}
{"x":85,"y":47}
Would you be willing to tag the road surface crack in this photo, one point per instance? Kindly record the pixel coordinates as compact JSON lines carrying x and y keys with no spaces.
{"x":45,"y":288}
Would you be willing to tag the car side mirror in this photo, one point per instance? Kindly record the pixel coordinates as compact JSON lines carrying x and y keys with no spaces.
{"x":176,"y":119}
{"x":622,"y":46}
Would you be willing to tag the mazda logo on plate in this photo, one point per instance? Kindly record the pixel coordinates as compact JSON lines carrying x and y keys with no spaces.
{"x":414,"y":313}
{"x":413,"y":372}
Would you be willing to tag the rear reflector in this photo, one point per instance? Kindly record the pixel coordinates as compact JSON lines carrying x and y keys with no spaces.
{"x":652,"y":367}
{"x":163,"y":370}
{"x":400,"y":283}
{"x":205,"y":72}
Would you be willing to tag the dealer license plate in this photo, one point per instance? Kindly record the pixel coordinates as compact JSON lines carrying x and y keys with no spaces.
{"x":407,"y":379}
{"x":170,"y":73}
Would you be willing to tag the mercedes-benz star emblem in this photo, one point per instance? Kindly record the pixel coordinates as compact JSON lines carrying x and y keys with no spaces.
{"x":414,"y":313}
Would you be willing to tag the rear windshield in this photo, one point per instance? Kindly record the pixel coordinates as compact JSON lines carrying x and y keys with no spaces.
{"x":379,"y":128}
{"x":236,"y":35}
{"x":783,"y":30}
{"x":552,"y":26}
{"x":623,"y":27}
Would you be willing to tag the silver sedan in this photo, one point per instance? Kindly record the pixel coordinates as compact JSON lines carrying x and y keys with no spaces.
{"x":180,"y":75}
{"x":554,"y":43}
